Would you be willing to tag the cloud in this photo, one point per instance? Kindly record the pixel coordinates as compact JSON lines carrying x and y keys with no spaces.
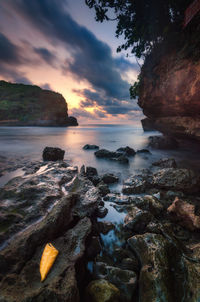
{"x":92,"y":58}
{"x":45,"y":55}
{"x":10,"y":59}
{"x":9,"y":52}
{"x":108,"y":106}
{"x":46,"y":86}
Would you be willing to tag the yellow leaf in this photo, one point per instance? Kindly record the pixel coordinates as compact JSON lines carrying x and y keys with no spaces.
{"x":48,"y":258}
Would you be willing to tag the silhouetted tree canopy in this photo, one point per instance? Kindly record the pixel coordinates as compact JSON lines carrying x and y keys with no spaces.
{"x":143,"y":23}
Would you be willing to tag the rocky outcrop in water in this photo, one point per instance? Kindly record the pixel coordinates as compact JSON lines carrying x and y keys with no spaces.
{"x":27,"y":105}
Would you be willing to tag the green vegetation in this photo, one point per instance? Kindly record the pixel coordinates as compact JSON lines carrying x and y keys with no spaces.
{"x":146,"y":25}
{"x":30,"y":105}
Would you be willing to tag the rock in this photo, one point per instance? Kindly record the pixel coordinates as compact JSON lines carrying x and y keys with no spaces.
{"x":45,"y":107}
{"x":101,"y":212}
{"x":92,"y":175}
{"x":137,"y":184}
{"x":53,"y":154}
{"x":147,"y":124}
{"x":130,"y":264}
{"x":127,"y":151}
{"x":184,"y":180}
{"x":122,"y":159}
{"x":103,"y":189}
{"x":60,"y":284}
{"x":82,"y":170}
{"x":162,"y":142}
{"x":162,"y":270}
{"x":116,"y":156}
{"x":90,"y":171}
{"x":109,"y":178}
{"x":93,"y":248}
{"x":184,"y":214}
{"x":118,"y":198}
{"x":90,"y":147}
{"x":145,"y":151}
{"x":102,"y":291}
{"x":165,"y":163}
{"x":72,"y":121}
{"x":103,"y":153}
{"x":41,"y":210}
{"x":105,"y":226}
{"x":148,"y":203}
{"x":136,"y":219}
{"x":125,"y":280}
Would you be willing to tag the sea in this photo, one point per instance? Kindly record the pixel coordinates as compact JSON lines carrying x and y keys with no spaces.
{"x":20,"y":145}
{"x":25,"y":144}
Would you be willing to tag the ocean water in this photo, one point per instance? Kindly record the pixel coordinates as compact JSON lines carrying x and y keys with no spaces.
{"x":27,"y":144}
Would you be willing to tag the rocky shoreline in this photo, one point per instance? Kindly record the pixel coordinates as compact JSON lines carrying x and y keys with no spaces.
{"x":151,"y":252}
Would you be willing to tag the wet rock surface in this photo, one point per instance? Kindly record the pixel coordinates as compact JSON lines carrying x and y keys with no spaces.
{"x":163,"y":142}
{"x":112,"y":155}
{"x":165,"y":163}
{"x":102,"y":291}
{"x":56,"y":205}
{"x":142,"y":243}
{"x":90,"y":147}
{"x":53,"y":154}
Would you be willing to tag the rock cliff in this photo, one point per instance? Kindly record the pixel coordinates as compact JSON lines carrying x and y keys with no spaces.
{"x":27,"y":105}
{"x":170,"y":87}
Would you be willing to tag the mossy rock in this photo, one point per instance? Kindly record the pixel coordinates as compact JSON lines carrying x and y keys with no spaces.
{"x":102,"y":291}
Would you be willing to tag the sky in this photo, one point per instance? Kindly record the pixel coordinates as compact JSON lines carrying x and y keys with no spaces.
{"x":58,"y":45}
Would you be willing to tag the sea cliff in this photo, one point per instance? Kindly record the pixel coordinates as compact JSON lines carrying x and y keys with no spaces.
{"x":27,"y":105}
{"x":169,"y":91}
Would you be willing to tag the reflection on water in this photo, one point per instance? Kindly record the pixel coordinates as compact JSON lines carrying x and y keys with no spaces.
{"x":29,"y":142}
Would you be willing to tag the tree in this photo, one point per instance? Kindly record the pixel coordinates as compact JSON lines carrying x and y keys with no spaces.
{"x":143,"y":23}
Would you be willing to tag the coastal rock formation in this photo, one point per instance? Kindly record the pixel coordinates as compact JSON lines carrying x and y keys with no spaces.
{"x":53,"y":154}
{"x":170,"y":93}
{"x":27,"y":105}
{"x":55,"y":205}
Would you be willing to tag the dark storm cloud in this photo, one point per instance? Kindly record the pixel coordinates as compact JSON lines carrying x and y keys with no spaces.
{"x":10,"y":59}
{"x":109,"y":106}
{"x":9,"y":53}
{"x":45,"y":55}
{"x":92,"y":59}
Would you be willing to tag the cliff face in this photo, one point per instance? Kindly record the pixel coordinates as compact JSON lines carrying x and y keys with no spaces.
{"x":26,"y":105}
{"x":170,"y":94}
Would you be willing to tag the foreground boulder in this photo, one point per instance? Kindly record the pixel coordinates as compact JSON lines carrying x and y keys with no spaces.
{"x":57,"y":206}
{"x":184,"y":180}
{"x":159,"y":259}
{"x":102,"y":291}
{"x":184,"y":213}
{"x":53,"y":154}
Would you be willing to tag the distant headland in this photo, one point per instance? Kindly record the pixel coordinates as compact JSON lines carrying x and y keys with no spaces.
{"x":27,"y":105}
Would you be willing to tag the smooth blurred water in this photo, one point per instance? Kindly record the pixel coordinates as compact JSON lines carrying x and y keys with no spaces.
{"x":27,"y":143}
